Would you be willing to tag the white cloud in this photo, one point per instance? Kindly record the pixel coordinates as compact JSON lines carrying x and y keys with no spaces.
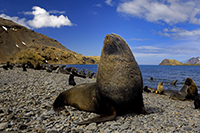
{"x":57,"y":12}
{"x":21,"y":21}
{"x":168,"y":11}
{"x":169,"y":50}
{"x":109,"y":2}
{"x":97,"y":5}
{"x":177,"y":33}
{"x":92,"y":12}
{"x":42,"y":18}
{"x":139,"y":39}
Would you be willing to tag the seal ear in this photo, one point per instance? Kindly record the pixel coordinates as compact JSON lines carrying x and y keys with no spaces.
{"x":101,"y":118}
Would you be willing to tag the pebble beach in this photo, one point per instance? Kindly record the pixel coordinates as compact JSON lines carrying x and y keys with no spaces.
{"x":26,"y":100}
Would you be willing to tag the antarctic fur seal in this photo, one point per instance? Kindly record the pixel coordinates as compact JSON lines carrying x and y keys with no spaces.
{"x":118,"y":88}
{"x":197,"y":102}
{"x":173,"y":82}
{"x":119,"y":80}
{"x":8,"y":65}
{"x":71,"y":79}
{"x":149,"y":90}
{"x":160,"y":88}
{"x":146,"y":89}
{"x":24,"y":67}
{"x":192,"y":91}
{"x":181,"y":94}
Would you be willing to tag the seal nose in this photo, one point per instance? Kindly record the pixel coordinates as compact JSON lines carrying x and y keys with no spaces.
{"x":107,"y":38}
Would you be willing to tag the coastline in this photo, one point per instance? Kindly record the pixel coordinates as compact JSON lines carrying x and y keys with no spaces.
{"x":26,"y":106}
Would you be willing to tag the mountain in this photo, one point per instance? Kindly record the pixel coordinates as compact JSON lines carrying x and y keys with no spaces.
{"x":20,"y":44}
{"x":193,"y":60}
{"x":170,"y":62}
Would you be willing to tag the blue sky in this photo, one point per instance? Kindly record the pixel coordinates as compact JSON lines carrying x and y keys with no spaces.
{"x":154,"y":29}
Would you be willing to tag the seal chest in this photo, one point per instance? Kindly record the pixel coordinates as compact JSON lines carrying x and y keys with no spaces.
{"x":119,"y":79}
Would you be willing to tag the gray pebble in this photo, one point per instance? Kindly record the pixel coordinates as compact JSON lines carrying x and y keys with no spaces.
{"x":91,"y":126}
{"x":3,"y":125}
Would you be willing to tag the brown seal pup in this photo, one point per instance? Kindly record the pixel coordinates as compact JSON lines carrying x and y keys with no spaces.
{"x":84,"y":97}
{"x":180,"y":95}
{"x":119,"y":80}
{"x":192,"y":91}
{"x":160,"y":88}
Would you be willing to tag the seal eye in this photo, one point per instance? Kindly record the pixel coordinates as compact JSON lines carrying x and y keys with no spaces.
{"x":117,"y":39}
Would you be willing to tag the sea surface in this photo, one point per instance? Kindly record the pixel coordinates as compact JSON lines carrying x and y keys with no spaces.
{"x":165,"y":74}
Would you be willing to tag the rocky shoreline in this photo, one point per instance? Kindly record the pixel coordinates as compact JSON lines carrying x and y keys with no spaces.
{"x":26,"y":100}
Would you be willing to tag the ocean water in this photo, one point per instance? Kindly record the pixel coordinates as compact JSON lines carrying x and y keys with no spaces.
{"x":165,"y":74}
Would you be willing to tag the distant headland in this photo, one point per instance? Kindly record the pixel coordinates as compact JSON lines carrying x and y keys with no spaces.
{"x":194,"y":61}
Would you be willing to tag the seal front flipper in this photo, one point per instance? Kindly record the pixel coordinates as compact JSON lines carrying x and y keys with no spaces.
{"x":100,"y":118}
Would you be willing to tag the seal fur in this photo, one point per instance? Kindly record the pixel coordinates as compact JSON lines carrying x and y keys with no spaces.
{"x":84,"y":97}
{"x":197,"y":102}
{"x":180,"y":95}
{"x":118,"y":88}
{"x":160,"y":88}
{"x":192,"y":91}
{"x":119,"y":80}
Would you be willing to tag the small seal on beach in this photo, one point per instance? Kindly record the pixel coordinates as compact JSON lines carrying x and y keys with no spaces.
{"x":24,"y":67}
{"x":8,"y":65}
{"x":192,"y":91}
{"x":149,"y":90}
{"x":119,"y":80}
{"x":62,"y":70}
{"x":173,"y":82}
{"x":38,"y":66}
{"x":160,"y":88}
{"x":181,"y":94}
{"x":84,"y":97}
{"x":146,"y":89}
{"x":71,"y":79}
{"x":30,"y":65}
{"x":197,"y":102}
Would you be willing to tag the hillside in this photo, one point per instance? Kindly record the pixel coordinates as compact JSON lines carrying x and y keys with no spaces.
{"x":20,"y":44}
{"x":170,"y":62}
